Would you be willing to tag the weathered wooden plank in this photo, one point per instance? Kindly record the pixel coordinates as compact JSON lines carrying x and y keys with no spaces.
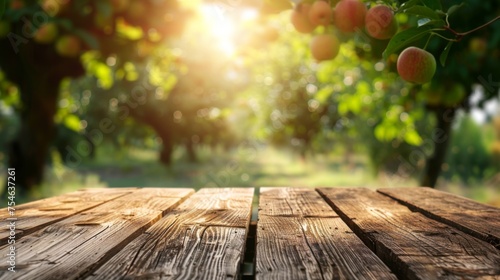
{"x":299,"y":236}
{"x":73,"y":247}
{"x":35,"y":215}
{"x":479,"y":220}
{"x":203,"y":238}
{"x":412,"y":245}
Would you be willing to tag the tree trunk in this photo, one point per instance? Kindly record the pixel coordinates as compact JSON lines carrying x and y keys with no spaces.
{"x":191,"y":151}
{"x":441,"y":137}
{"x":28,"y":151}
{"x":38,"y":71}
{"x":147,"y":114}
{"x":167,"y":150}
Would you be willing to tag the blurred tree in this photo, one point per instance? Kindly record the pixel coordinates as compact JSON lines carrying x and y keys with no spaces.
{"x":183,"y":102}
{"x":292,"y":114}
{"x":9,"y":122}
{"x":284,"y":85}
{"x":471,"y":61}
{"x":469,"y":158}
{"x":496,"y":145}
{"x":41,"y":43}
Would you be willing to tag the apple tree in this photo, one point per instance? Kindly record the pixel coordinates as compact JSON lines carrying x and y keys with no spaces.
{"x":436,"y":51}
{"x":42,"y":43}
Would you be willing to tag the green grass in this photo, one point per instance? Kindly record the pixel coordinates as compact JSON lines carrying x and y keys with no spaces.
{"x":245,"y":167}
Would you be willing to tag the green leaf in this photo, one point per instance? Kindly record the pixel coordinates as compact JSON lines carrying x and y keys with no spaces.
{"x":433,"y":4}
{"x":276,"y":6}
{"x":409,"y":4}
{"x":64,"y":23}
{"x":72,"y":122}
{"x":104,"y":75}
{"x":454,"y":8}
{"x":88,"y":38}
{"x":3,"y":7}
{"x":411,"y":137}
{"x":16,"y":15}
{"x":324,"y":94}
{"x":406,"y":37}
{"x":441,"y":13}
{"x":445,"y":53}
{"x":128,"y":31}
{"x":423,"y":21}
{"x":421,"y":11}
{"x":104,"y":8}
{"x":435,"y":23}
{"x":386,"y":132}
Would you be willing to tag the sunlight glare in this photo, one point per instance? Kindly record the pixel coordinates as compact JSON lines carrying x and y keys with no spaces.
{"x":220,"y":26}
{"x":249,"y":15}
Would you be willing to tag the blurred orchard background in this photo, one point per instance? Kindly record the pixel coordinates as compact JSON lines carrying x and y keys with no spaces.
{"x":192,"y":93}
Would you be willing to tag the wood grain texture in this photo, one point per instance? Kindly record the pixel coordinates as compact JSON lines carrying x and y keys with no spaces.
{"x":299,"y":236}
{"x":479,"y":220}
{"x":412,"y":245}
{"x":73,"y":247}
{"x":203,"y":238}
{"x":38,"y":214}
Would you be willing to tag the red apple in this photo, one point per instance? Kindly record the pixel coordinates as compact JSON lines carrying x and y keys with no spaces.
{"x":416,"y":65}
{"x":350,"y":15}
{"x":380,"y":22}
{"x":325,"y":47}
{"x":321,"y":13}
{"x":300,"y":18}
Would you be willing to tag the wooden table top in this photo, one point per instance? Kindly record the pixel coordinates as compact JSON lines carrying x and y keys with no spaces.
{"x":300,"y":233}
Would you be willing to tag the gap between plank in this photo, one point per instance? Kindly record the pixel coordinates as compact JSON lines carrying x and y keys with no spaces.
{"x":364,"y":237}
{"x":247,"y":269}
{"x":495,"y":242}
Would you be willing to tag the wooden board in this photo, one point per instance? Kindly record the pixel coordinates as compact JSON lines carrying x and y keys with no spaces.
{"x":299,"y":236}
{"x":38,"y":214}
{"x":203,"y":238}
{"x":71,"y":248}
{"x":479,"y":220}
{"x":412,"y":245}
